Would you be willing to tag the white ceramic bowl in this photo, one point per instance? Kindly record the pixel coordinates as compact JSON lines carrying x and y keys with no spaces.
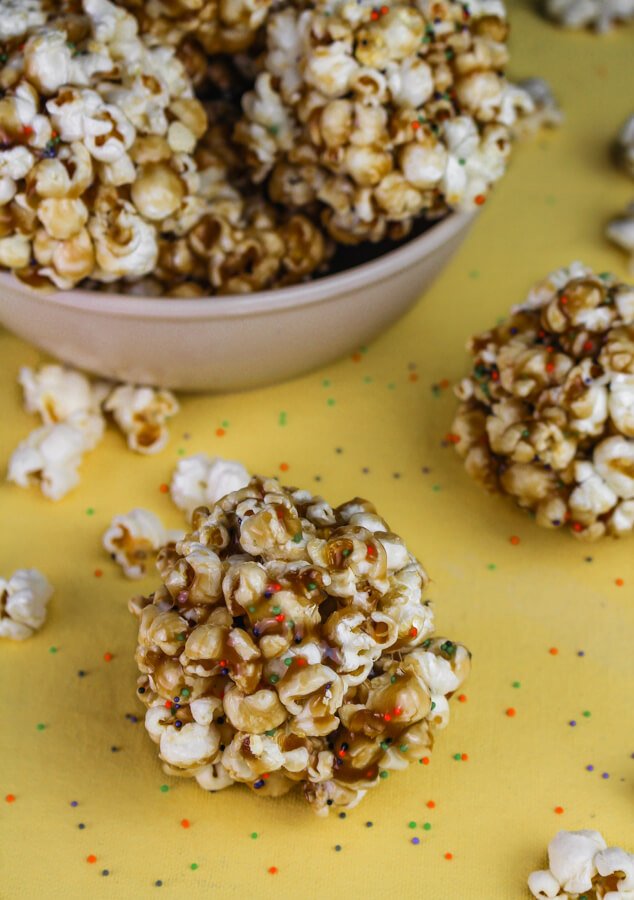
{"x":237,"y":342}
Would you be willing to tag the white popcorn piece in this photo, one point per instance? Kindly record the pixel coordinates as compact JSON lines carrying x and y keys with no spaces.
{"x":141,"y":413}
{"x":599,"y":14}
{"x":17,"y":16}
{"x":614,"y":461}
{"x":23,"y":603}
{"x":51,"y":455}
{"x":546,"y":112}
{"x":581,"y":862}
{"x":202,"y":480}
{"x":57,"y":392}
{"x":625,"y":146}
{"x":621,"y":232}
{"x":134,"y":539}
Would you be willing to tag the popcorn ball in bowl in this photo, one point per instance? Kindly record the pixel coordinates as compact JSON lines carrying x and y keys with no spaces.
{"x":289,"y":643}
{"x":547,"y":415}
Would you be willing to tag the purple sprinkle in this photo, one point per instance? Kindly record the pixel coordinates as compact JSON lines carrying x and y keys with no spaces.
{"x":73,"y":803}
{"x":590,"y":768}
{"x":572,"y":722}
{"x":605,"y":775}
{"x":415,"y":841}
{"x":425,"y":470}
{"x":581,"y":653}
{"x":258,"y":784}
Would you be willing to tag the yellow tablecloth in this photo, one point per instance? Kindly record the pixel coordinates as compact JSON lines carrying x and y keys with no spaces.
{"x":74,"y":753}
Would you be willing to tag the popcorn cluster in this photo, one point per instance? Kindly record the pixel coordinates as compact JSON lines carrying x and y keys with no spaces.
{"x":290,"y":643}
{"x":23,"y":602}
{"x":71,"y":408}
{"x":580,"y":862}
{"x":548,"y":414}
{"x":380,"y":115}
{"x":601,"y":15}
{"x":103,"y":174}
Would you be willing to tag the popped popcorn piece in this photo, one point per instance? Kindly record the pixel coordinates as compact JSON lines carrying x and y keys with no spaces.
{"x":548,"y":414}
{"x":135,"y":538}
{"x":297,"y":640}
{"x":23,"y":603}
{"x":141,"y":413}
{"x":621,"y":232}
{"x":602,"y":15}
{"x":625,"y":146}
{"x":581,"y":862}
{"x":201,"y":480}
{"x":546,"y":113}
{"x":58,"y":392}
{"x":51,"y":455}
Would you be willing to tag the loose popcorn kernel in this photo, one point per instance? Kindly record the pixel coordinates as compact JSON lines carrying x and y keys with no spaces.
{"x":23,"y":603}
{"x":581,"y":863}
{"x":547,"y":415}
{"x":278,"y":650}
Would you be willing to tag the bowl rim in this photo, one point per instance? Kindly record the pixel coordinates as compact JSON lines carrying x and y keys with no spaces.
{"x":234,"y":305}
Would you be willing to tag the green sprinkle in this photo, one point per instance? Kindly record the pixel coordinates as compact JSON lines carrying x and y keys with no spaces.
{"x":426,"y":39}
{"x":474,"y":274}
{"x":587,"y":713}
{"x":462,"y":162}
{"x":274,"y":679}
{"x":52,"y":649}
{"x":185,"y":692}
{"x":363,"y":349}
{"x":194,"y":866}
{"x":367,"y":379}
{"x":291,"y":624}
{"x":393,"y":679}
{"x":326,"y":382}
{"x":605,"y":276}
{"x":180,"y":637}
{"x":433,"y":705}
{"x":254,"y":834}
{"x":436,"y":487}
{"x":90,"y":511}
{"x":384,"y":746}
{"x":426,"y":643}
{"x":274,"y":129}
{"x":412,"y":825}
{"x":282,"y":419}
{"x":297,"y":537}
{"x":403,"y":748}
{"x":448,"y":647}
{"x":40,"y":727}
{"x":391,"y":386}
{"x":270,"y":733}
{"x":288,"y":661}
{"x":181,"y":451}
{"x":383,"y":774}
{"x":516,"y":684}
{"x":345,"y":553}
{"x":331,"y":401}
{"x":526,"y":433}
{"x":225,"y":424}
{"x":277,"y":610}
{"x":492,"y":566}
{"x":252,"y":609}
{"x":426,"y":826}
{"x":312,"y":586}
{"x":457,"y":756}
{"x":164,"y":788}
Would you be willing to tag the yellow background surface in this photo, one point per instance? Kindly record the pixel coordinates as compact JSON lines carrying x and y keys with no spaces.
{"x":371,"y":425}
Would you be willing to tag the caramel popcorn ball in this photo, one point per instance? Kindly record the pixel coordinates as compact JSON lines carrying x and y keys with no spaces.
{"x":547,"y":415}
{"x":580,"y":862}
{"x":381,"y":115}
{"x":23,"y":603}
{"x":290,"y":643}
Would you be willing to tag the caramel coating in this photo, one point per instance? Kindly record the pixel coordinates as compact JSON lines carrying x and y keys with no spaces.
{"x":292,"y":644}
{"x":547,"y":415}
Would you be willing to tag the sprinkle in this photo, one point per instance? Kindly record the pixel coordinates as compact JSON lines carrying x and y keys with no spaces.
{"x":164,"y":788}
{"x":510,"y":712}
{"x":98,"y":573}
{"x":587,"y":713}
{"x":464,"y":757}
{"x":457,"y":756}
{"x":415,"y":840}
{"x":81,"y":673}
{"x":73,"y":803}
{"x":194,"y":866}
{"x":254,"y":834}
{"x":81,"y":826}
{"x":185,"y":823}
{"x":91,"y":858}
{"x":369,"y":824}
{"x":431,"y":804}
{"x":514,"y":540}
{"x":105,"y":872}
{"x":158,"y":883}
{"x":462,"y":698}
{"x":383,"y":774}
{"x":590,"y":768}
{"x":559,"y":810}
{"x":605,"y":775}
{"x":337,"y":847}
{"x":516,"y":684}
{"x":448,"y":855}
{"x":427,"y":826}
{"x":283,"y":467}
{"x":480,"y":199}
{"x":425,"y":760}
{"x":274,"y":679}
{"x":10,"y":798}
{"x":553,"y":651}
{"x":619,"y":582}
{"x":107,"y":657}
{"x":163,"y":488}
{"x":273,"y":870}
{"x":412,"y":825}
{"x":40,"y":726}
{"x":220,"y":432}
{"x":572,"y":722}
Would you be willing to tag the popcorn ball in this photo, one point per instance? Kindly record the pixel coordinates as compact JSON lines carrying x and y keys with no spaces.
{"x":23,"y":602}
{"x":580,"y":862}
{"x":601,"y":15}
{"x":134,"y":539}
{"x":201,"y":480}
{"x":380,"y":115}
{"x":290,"y":643}
{"x":547,"y":416}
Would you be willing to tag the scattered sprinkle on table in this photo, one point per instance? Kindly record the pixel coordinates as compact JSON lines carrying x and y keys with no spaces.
{"x":553,"y":651}
{"x":185,"y":823}
{"x":514,"y":540}
{"x":91,"y":858}
{"x":510,"y":712}
{"x":559,"y":810}
{"x":10,"y":798}
{"x":273,"y":870}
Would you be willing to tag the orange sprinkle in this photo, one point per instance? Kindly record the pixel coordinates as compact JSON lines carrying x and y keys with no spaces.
{"x":91,"y":858}
{"x":549,"y":367}
{"x":480,"y":199}
{"x":444,"y":383}
{"x":10,"y":798}
{"x":510,"y":712}
{"x":273,"y":870}
{"x":425,"y":760}
{"x":431,"y":804}
{"x":107,"y":657}
{"x":619,"y":582}
{"x":356,"y":357}
{"x":384,"y":10}
{"x":220,"y":432}
{"x":397,"y":710}
{"x":553,"y":651}
{"x":185,"y":823}
{"x":559,"y":810}
{"x":387,"y":717}
{"x":413,"y":376}
{"x":462,"y":698}
{"x":98,"y":573}
{"x":415,"y":125}
{"x":465,"y":757}
{"x":563,"y":300}
{"x":587,"y":345}
{"x":515,"y":540}
{"x":413,"y":631}
{"x":164,"y":488}
{"x":448,"y":855}
{"x":284,"y":467}
{"x":577,"y":526}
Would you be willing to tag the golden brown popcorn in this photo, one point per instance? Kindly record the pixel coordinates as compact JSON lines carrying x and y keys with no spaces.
{"x":547,"y":415}
{"x":290,"y":643}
